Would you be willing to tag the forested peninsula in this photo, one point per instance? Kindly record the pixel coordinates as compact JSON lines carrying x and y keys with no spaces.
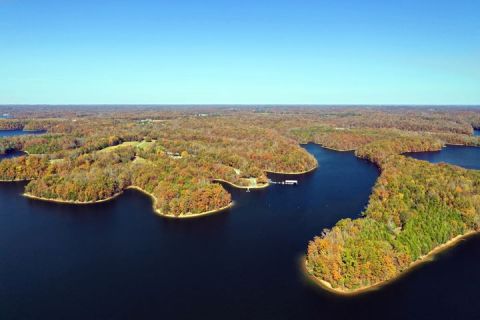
{"x":174,"y":158}
{"x":415,"y":209}
{"x":178,"y":155}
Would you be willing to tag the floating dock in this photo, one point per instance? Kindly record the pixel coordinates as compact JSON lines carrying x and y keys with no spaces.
{"x":287,"y":182}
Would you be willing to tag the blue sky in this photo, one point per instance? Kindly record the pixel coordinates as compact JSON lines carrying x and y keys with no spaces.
{"x":211,"y":51}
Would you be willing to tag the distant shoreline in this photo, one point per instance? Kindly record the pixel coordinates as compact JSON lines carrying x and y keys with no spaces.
{"x":15,"y":180}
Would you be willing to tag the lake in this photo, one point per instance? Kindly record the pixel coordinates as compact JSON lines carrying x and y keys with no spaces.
{"x":467,"y":157}
{"x":11,"y":133}
{"x":476,"y":132}
{"x":118,"y":260}
{"x":12,"y":154}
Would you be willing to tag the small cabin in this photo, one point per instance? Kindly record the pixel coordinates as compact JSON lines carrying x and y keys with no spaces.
{"x":291,"y":182}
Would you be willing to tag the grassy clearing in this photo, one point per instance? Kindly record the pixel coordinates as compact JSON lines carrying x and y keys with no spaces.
{"x":142,"y":145}
{"x":121,"y":145}
{"x":145,"y":144}
{"x":140,"y":160}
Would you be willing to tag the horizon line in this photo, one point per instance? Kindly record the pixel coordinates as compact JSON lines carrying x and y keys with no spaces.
{"x":242,"y":104}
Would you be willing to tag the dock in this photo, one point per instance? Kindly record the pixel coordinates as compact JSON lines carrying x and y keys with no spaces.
{"x":286,"y":182}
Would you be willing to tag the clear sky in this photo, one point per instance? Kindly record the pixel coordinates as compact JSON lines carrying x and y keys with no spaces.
{"x":245,"y":51}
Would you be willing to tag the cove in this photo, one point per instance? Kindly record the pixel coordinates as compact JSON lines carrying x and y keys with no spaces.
{"x":119,"y":260}
{"x":466,"y":157}
{"x":11,"y":154}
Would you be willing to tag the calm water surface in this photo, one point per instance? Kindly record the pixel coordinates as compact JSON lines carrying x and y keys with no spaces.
{"x":11,"y":133}
{"x":11,"y":154}
{"x":476,"y":132}
{"x":467,"y":157}
{"x":118,"y":260}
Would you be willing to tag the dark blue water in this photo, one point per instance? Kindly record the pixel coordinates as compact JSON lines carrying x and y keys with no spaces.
{"x":467,"y":157}
{"x":476,"y":132}
{"x":118,"y":260}
{"x":12,"y":154}
{"x":11,"y":133}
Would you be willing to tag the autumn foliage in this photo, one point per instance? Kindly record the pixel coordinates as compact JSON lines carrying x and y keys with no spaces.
{"x":415,"y":206}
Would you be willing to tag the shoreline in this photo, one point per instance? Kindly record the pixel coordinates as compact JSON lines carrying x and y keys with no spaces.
{"x":334,"y":149}
{"x":329,"y":148}
{"x":31,"y":196}
{"x":421,"y":260}
{"x":325,"y":285}
{"x":9,"y":151}
{"x":293,"y":173}
{"x":262,"y":186}
{"x":460,"y":145}
{"x":157,"y":211}
{"x":182,"y":216}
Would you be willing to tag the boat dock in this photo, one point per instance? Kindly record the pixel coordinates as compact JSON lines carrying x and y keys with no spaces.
{"x":286,"y":182}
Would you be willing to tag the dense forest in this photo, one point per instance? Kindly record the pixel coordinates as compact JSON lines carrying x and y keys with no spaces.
{"x":415,"y":206}
{"x":176,"y":155}
{"x":176,"y":160}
